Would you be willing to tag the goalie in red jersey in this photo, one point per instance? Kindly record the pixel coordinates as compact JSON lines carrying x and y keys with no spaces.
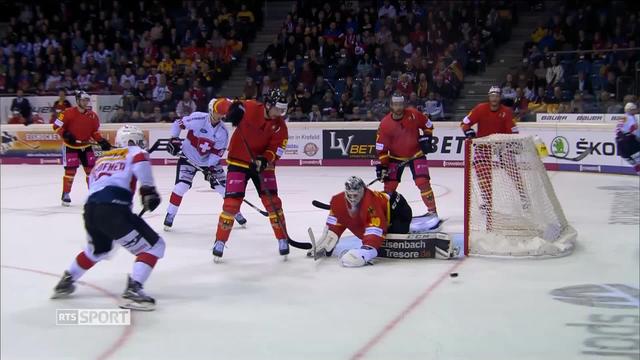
{"x":493,"y":118}
{"x":406,"y":134}
{"x":369,"y":215}
{"x":258,"y":141}
{"x":78,"y":126}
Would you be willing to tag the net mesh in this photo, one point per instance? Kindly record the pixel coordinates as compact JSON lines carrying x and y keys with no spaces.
{"x":512,"y":207}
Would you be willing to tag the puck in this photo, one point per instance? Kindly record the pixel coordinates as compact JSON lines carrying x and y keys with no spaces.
{"x":453,"y":274}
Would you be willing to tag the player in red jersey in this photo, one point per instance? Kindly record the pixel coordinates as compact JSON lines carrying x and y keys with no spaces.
{"x":258,"y":141}
{"x":369,"y":215}
{"x":78,"y":126}
{"x":492,"y":118}
{"x":403,"y":134}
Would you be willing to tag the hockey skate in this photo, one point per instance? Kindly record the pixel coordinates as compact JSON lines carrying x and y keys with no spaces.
{"x":283,"y":246}
{"x":168,"y":221}
{"x":66,"y":199}
{"x":65,"y":287}
{"x":241,"y":220}
{"x":359,"y":257}
{"x":218,"y":249}
{"x":429,"y":222}
{"x":135,"y":298}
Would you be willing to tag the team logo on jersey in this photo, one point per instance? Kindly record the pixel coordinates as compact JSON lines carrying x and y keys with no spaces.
{"x":204,"y":131}
{"x":560,"y":146}
{"x":375,"y":221}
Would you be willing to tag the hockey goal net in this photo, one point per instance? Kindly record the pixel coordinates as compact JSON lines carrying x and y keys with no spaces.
{"x":511,"y":209}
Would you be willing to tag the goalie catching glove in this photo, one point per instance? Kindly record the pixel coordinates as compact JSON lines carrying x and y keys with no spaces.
{"x":150,"y":198}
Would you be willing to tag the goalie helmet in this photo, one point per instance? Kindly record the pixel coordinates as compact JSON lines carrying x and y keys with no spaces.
{"x":130,"y":135}
{"x":354,"y":190}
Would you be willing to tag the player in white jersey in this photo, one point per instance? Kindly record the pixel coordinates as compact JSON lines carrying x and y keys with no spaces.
{"x":628,"y":137}
{"x":108,"y":218}
{"x":207,"y":139}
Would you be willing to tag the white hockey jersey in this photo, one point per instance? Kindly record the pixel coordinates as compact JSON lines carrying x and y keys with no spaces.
{"x":114,"y":177}
{"x":629,"y":126}
{"x":205,"y":143}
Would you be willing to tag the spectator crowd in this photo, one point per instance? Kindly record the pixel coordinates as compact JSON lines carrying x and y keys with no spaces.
{"x":165,"y":58}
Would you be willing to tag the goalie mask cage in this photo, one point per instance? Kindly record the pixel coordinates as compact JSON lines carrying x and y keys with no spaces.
{"x":510,"y":207}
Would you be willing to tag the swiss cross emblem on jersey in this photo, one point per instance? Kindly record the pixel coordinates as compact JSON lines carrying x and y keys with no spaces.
{"x":204,"y":146}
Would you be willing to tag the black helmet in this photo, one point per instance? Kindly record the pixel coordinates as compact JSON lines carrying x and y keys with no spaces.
{"x":276,"y":98}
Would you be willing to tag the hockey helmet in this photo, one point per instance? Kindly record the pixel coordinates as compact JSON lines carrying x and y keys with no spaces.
{"x":276,"y":98}
{"x":354,"y":190}
{"x":130,"y":135}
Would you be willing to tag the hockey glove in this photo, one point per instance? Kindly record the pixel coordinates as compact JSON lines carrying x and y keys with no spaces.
{"x":470,"y":134}
{"x":69,"y":138}
{"x":104,"y":145}
{"x":235,"y":113}
{"x":426,"y":144}
{"x":259,"y":164}
{"x":382,"y":172}
{"x":174,"y":146}
{"x":150,"y":197}
{"x":215,"y":176}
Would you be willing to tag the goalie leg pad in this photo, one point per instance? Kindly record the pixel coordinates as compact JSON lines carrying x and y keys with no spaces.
{"x":358,"y":257}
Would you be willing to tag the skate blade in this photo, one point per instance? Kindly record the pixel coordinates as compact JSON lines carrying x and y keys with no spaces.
{"x":217,"y":259}
{"x":285,"y":257}
{"x":60,"y":295}
{"x":167,"y":228}
{"x":67,"y":204}
{"x":137,"y":306}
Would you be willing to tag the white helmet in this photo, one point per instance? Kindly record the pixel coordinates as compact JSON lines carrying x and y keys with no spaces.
{"x":494,"y":90}
{"x":129,"y":133}
{"x":629,"y":107}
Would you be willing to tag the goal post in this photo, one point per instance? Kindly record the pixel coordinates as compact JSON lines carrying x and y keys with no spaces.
{"x":510,"y":207}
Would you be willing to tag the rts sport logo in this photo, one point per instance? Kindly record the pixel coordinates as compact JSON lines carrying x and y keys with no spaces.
{"x":560,"y":146}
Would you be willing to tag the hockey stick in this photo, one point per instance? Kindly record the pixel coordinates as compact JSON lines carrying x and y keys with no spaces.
{"x":264,"y":213}
{"x":577,"y":158}
{"x":299,"y":245}
{"x":316,"y":254}
{"x":160,"y":144}
{"x":324,"y":206}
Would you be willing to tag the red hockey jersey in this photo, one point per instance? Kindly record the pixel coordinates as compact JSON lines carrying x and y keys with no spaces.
{"x":398,"y":139}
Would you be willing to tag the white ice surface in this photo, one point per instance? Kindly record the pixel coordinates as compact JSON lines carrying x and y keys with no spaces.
{"x":255,"y":306}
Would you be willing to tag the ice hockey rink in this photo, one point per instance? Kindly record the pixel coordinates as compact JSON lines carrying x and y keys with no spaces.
{"x":254,"y":305}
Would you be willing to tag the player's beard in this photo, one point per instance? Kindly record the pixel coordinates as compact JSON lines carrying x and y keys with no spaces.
{"x":397,"y":115}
